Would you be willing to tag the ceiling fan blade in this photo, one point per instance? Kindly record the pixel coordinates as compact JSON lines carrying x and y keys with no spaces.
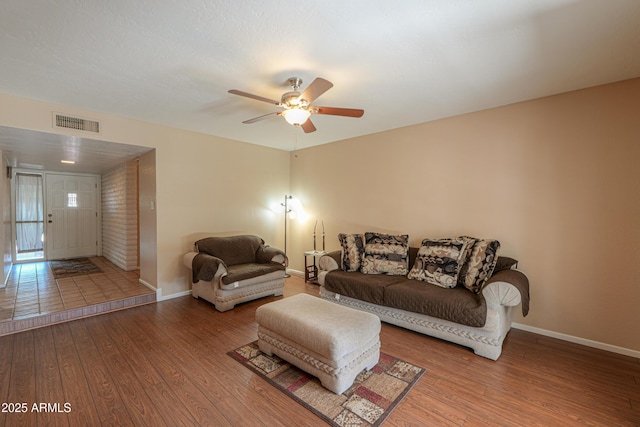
{"x":346,"y":112}
{"x":266,"y":116}
{"x":315,"y":89}
{"x":252,"y":96}
{"x":308,"y":126}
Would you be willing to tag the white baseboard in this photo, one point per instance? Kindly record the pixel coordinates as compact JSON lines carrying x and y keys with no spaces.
{"x":6,"y":278}
{"x":578,"y":340}
{"x":147,"y":284}
{"x":295,"y":272}
{"x":160,"y":297}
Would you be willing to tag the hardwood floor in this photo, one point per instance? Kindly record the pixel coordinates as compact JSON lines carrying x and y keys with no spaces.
{"x":165,"y":364}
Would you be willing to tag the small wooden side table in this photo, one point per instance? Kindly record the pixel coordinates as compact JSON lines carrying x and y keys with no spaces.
{"x":311,"y":270}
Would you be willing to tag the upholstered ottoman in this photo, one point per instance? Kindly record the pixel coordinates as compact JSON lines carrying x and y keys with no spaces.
{"x":332,"y":342}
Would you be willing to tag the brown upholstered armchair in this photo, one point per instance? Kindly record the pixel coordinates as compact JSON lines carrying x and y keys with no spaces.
{"x":229,"y":270}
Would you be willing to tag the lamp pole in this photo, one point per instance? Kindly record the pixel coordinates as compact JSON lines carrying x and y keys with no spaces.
{"x":286,"y":212}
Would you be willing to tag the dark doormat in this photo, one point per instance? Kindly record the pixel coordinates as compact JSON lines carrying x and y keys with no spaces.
{"x":73,"y":267}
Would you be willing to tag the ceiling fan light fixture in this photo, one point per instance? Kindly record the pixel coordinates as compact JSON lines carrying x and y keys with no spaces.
{"x":296,"y":116}
{"x":297,"y":107}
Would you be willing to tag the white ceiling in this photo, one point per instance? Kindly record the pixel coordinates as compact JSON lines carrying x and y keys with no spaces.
{"x":27,"y":149}
{"x":403,"y":62}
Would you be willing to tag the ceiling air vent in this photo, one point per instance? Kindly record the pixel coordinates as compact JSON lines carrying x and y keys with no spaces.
{"x":68,"y":122}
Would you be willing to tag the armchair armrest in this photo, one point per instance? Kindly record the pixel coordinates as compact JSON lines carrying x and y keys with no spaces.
{"x":330,"y":261}
{"x":508,"y":288}
{"x":267,"y":254}
{"x":204,"y":267}
{"x":187,"y":259}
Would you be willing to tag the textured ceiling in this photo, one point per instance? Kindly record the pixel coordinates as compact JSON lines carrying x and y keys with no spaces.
{"x":407,"y":62}
{"x":27,"y":149}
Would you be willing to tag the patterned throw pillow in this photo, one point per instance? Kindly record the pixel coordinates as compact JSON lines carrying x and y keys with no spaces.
{"x":385,"y":254}
{"x":480,"y":264}
{"x":439,"y":261}
{"x":352,"y":251}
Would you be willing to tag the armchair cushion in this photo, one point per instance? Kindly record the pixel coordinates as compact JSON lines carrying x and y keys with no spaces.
{"x":239,"y":272}
{"x":232,"y":250}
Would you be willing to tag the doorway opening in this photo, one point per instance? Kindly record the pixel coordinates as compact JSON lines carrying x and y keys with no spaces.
{"x":29,"y":217}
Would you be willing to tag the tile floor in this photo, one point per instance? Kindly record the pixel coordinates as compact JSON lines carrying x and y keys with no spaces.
{"x":33,"y":297}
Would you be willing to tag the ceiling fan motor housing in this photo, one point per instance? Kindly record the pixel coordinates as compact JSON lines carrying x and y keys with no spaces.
{"x":293,"y":100}
{"x":294,"y":82}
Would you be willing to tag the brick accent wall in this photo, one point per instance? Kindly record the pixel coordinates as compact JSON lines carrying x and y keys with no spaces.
{"x":120,"y":216}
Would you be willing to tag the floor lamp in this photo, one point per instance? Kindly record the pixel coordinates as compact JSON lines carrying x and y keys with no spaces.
{"x":286,"y":214}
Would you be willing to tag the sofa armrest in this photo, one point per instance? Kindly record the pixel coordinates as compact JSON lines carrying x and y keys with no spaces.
{"x":501,"y":293}
{"x":267,"y":254}
{"x":508,"y":288}
{"x":329,"y":261}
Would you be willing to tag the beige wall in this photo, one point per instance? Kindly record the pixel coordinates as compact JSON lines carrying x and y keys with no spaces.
{"x":555,"y":180}
{"x":148,"y":222}
{"x":216,"y":187}
{"x":204,"y":184}
{"x":5,"y":230}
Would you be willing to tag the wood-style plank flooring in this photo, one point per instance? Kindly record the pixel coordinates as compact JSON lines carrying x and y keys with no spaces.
{"x":165,"y":364}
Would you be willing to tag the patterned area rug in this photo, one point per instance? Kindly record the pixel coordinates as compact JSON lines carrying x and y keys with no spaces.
{"x":73,"y":267}
{"x":368,"y":402}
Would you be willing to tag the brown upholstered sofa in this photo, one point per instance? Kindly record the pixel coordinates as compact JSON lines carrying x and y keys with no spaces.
{"x":229,"y":270}
{"x":480,"y":320}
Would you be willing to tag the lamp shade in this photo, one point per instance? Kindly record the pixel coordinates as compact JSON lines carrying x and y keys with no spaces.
{"x":296,"y":116}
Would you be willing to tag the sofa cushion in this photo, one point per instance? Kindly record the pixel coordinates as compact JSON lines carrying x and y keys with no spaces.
{"x":439,"y":261}
{"x":232,"y":250}
{"x":365,"y":287}
{"x":480,"y":264}
{"x":352,"y":251}
{"x":385,"y":254}
{"x":455,"y":305}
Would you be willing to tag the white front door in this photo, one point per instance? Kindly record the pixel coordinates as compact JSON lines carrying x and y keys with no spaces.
{"x":72,"y":216}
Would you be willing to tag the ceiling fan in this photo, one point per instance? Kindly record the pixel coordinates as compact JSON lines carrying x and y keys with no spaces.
{"x":297,"y":106}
